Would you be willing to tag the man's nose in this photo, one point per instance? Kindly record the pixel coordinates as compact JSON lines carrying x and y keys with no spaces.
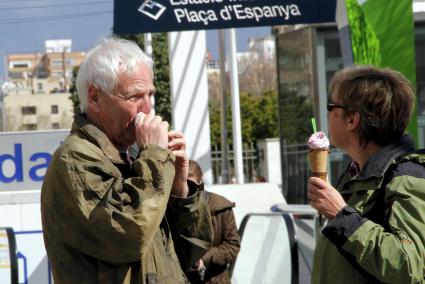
{"x":145,"y":105}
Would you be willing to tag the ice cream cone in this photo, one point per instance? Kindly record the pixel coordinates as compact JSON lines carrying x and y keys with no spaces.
{"x":319,"y":162}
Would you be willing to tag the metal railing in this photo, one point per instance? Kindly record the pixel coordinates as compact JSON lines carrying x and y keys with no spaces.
{"x":250,"y":162}
{"x":295,"y":171}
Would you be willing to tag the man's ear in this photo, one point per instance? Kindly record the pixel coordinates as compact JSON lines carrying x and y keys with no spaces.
{"x":93,"y":95}
{"x":353,"y":120}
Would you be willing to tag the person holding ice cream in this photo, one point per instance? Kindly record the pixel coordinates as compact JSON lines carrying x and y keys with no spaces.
{"x":376,"y":212}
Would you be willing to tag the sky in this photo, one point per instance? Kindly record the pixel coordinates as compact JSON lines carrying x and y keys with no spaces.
{"x":26,"y":24}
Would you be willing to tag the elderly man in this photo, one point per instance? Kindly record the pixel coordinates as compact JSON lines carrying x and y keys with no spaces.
{"x":103,"y":211}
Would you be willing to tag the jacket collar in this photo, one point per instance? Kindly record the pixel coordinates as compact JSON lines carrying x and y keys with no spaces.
{"x":379,"y":162}
{"x":92,"y":133}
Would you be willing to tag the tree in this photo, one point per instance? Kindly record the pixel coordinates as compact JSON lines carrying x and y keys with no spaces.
{"x":162,"y":76}
{"x":73,"y":90}
{"x":214,"y":85}
{"x":267,"y":117}
{"x":296,"y":111}
{"x":215,"y":124}
{"x":259,"y":118}
{"x":257,"y":74}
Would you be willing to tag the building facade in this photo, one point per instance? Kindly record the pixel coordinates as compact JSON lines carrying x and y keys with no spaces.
{"x":36,"y":95}
{"x":37,"y":112}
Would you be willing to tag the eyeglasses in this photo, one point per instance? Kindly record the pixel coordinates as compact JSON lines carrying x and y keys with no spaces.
{"x":331,"y":105}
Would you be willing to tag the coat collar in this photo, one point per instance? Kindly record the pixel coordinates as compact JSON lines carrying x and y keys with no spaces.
{"x":379,"y":162}
{"x":92,"y":133}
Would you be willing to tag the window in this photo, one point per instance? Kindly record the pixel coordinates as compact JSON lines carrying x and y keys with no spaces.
{"x":57,"y":63}
{"x":16,"y":75}
{"x":28,"y":110}
{"x":55,"y":109}
{"x":20,"y":64}
{"x":31,"y":126}
{"x":39,"y":86}
{"x":55,"y":125}
{"x":57,"y":74}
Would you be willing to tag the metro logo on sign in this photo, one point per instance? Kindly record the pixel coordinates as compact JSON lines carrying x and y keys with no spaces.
{"x":152,"y":9}
{"x":136,"y":16}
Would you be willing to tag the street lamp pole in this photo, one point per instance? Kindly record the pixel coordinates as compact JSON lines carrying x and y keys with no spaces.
{"x":223,"y":120}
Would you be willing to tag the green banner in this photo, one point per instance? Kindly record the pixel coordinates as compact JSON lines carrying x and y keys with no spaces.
{"x":382,"y":34}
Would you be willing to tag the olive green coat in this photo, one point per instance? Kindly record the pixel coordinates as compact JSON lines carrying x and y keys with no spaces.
{"x":103,"y":220}
{"x":380,"y":236}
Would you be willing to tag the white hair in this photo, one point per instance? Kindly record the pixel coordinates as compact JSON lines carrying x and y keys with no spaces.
{"x":105,"y":62}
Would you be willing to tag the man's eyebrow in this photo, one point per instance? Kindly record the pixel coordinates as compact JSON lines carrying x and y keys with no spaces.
{"x":137,"y":91}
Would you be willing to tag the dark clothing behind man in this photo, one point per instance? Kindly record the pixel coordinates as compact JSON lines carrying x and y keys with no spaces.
{"x":226,"y":243}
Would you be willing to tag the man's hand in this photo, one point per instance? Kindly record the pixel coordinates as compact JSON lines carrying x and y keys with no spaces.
{"x":177,"y":145}
{"x":201,"y":269}
{"x":324,"y":198}
{"x":151,"y":129}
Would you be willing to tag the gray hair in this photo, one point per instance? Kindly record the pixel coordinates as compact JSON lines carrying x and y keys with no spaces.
{"x":105,"y":62}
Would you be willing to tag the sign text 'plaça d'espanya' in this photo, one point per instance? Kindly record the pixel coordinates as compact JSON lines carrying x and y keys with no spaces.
{"x":141,"y":16}
{"x":231,"y":12}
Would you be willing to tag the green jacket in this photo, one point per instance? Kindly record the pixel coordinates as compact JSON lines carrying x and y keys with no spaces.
{"x":103,"y":219}
{"x":380,"y":236}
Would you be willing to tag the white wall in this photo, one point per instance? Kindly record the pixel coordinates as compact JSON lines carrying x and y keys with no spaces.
{"x":21,"y":211}
{"x":189,"y":88}
{"x":250,"y":197}
{"x":270,"y":163}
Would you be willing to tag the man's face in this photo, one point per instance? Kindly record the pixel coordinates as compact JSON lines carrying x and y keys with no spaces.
{"x":337,"y":123}
{"x":118,"y":111}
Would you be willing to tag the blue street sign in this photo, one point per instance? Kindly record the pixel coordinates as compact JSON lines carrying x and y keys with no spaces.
{"x":146,"y":16}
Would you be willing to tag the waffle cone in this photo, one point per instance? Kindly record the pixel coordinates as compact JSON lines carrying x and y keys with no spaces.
{"x":319,"y":162}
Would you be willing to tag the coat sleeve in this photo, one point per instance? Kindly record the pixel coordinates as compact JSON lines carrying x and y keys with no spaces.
{"x":190,"y":217}
{"x":394,"y":256}
{"x":190,"y":224}
{"x":227,"y":251}
{"x":97,"y":211}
